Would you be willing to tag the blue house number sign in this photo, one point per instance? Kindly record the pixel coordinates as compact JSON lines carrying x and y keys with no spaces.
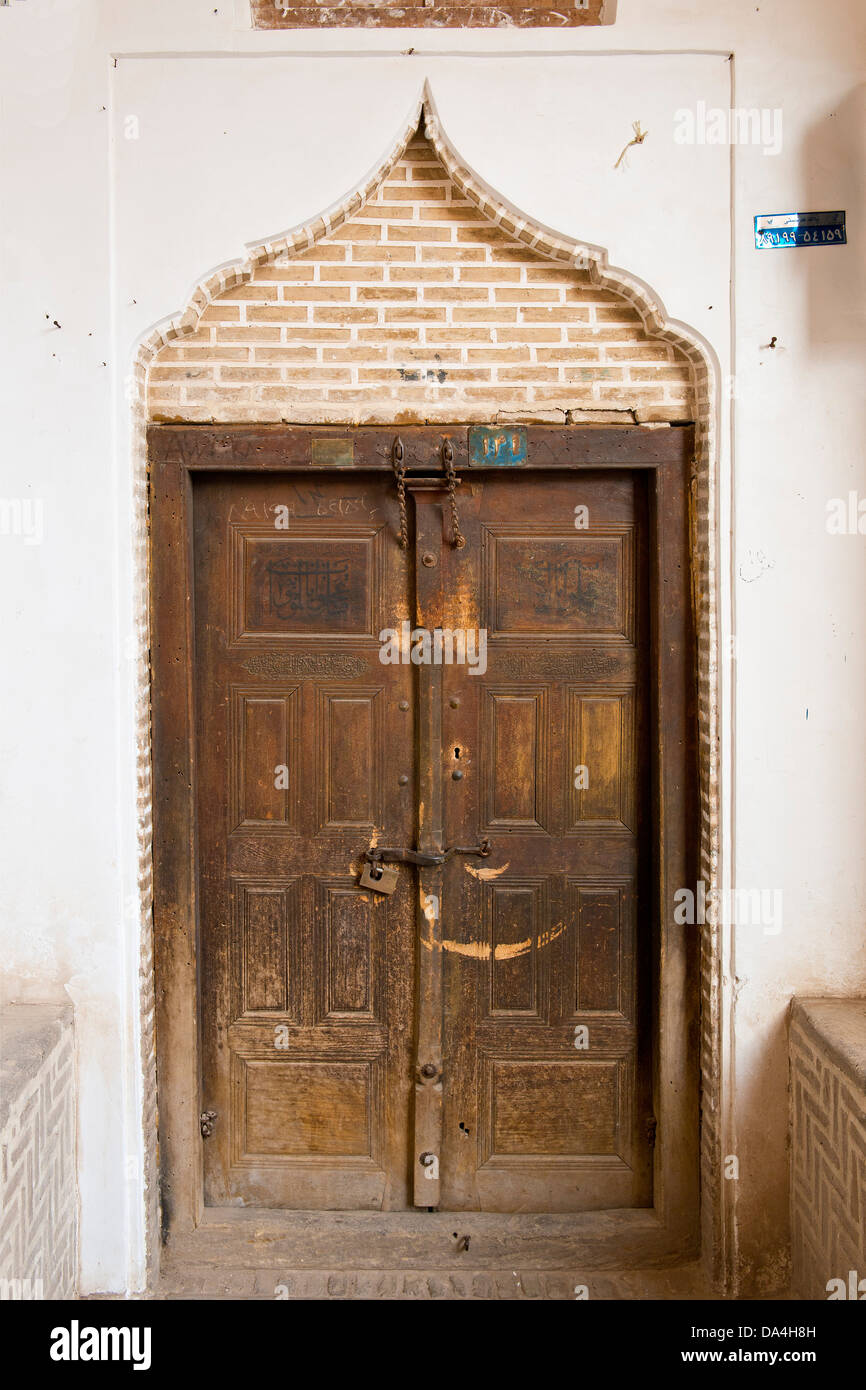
{"x":775,"y":230}
{"x":491,"y":447}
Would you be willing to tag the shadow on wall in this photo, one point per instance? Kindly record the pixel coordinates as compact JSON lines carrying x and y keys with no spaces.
{"x":764,"y":1256}
{"x":834,"y":155}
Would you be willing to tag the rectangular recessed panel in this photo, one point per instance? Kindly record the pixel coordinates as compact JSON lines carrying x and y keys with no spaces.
{"x":515,"y":773}
{"x":264,"y":750}
{"x":265,"y":949}
{"x":348,"y":945}
{"x":266,"y":934}
{"x":602,"y":762}
{"x":304,"y":585}
{"x":306,"y":1108}
{"x":599,"y":946}
{"x":547,"y":1107}
{"x":559,"y":585}
{"x":513,"y":914}
{"x":264,"y":763}
{"x":349,"y":743}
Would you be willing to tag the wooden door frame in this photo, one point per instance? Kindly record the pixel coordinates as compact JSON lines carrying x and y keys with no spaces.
{"x":670,"y":1229}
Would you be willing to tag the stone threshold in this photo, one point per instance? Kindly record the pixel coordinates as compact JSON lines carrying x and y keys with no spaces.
{"x":687,"y":1282}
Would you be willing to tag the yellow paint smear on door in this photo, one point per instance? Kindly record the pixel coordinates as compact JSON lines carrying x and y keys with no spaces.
{"x":481,"y":950}
{"x":485,"y":875}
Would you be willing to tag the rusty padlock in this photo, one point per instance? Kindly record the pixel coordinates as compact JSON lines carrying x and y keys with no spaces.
{"x":382,"y":878}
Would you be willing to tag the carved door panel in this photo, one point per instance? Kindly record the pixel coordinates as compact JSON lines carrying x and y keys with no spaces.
{"x":475,"y":1039}
{"x":304,"y":753}
{"x":546,"y":1101}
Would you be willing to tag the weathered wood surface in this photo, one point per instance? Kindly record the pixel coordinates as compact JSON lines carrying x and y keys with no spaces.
{"x":632,"y":631}
{"x":420,"y":1239}
{"x":280,"y":447}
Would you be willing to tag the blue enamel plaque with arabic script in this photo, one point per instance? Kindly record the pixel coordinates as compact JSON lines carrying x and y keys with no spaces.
{"x":775,"y":230}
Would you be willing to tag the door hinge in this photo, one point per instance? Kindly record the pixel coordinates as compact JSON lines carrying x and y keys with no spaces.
{"x":651,"y":1126}
{"x":207,"y":1120}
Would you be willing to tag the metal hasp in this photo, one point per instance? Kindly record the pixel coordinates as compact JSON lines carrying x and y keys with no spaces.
{"x":380,"y":878}
{"x":426,"y":859}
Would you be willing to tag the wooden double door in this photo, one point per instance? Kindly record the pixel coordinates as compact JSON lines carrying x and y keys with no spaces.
{"x":479,"y":1037}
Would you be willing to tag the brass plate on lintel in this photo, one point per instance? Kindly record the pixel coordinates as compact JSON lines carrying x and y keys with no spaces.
{"x":333,"y":452}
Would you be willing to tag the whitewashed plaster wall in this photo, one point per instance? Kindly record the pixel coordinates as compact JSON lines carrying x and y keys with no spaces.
{"x":143,"y":145}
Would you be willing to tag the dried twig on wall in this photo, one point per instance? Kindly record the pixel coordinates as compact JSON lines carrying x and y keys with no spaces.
{"x":639,"y":137}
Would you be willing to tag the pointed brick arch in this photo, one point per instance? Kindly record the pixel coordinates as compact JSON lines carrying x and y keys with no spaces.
{"x":424,"y":296}
{"x":421,"y":295}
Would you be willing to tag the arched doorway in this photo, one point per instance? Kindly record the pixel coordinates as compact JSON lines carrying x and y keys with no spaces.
{"x":500,"y":323}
